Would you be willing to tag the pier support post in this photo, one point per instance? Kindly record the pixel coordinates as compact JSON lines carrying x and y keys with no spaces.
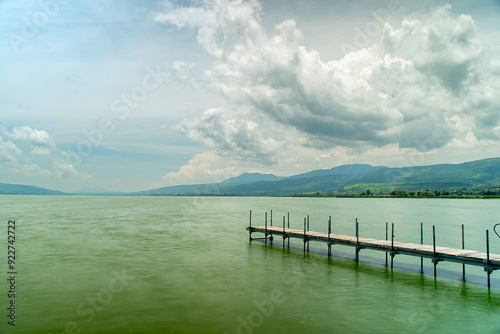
{"x":250,"y":230}
{"x":265,"y":230}
{"x":488,"y":268}
{"x":284,"y":235}
{"x":329,"y":232}
{"x":308,"y":231}
{"x":421,"y":242}
{"x":435,"y":259}
{"x":357,"y":240}
{"x":288,"y":241}
{"x":271,"y":218}
{"x":393,"y":253}
{"x":463,"y":247}
{"x":386,"y":239}
{"x":305,"y":235}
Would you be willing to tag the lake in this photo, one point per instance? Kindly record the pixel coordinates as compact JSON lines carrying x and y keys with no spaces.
{"x":185,"y":265}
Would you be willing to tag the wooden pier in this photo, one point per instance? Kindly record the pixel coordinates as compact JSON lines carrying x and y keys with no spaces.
{"x":489,"y":262}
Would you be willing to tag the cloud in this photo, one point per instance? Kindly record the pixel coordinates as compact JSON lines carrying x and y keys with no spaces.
{"x":27,"y":135}
{"x":40,"y":151}
{"x":440,"y":45}
{"x":61,"y":167}
{"x":13,"y":171}
{"x":181,"y":74}
{"x":9,"y":164}
{"x":33,"y":170}
{"x":234,"y":137}
{"x":8,"y":151}
{"x":34,"y":148}
{"x":235,"y":20}
{"x":426,"y":84}
{"x":206,"y":167}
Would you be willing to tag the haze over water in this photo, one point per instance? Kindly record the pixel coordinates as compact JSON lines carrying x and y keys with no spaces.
{"x":184,"y":265}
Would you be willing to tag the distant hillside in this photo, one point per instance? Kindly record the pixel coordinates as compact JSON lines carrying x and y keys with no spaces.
{"x":465,"y":178}
{"x":354,"y":169}
{"x":18,"y":189}
{"x":349,"y":179}
{"x":252,"y":177}
{"x":97,"y":191}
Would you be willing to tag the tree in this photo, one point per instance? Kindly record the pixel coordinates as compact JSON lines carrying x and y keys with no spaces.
{"x":427,"y":193}
{"x":368,"y":192}
{"x":398,"y":193}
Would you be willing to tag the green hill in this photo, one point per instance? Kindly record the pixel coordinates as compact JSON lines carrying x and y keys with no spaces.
{"x":18,"y":189}
{"x":353,"y":179}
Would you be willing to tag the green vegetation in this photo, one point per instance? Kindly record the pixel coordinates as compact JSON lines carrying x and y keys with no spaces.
{"x":17,"y":189}
{"x":453,"y":193}
{"x":477,"y":179}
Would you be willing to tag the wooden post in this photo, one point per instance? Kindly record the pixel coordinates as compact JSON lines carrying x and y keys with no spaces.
{"x":386,"y":239}
{"x":305,"y":235}
{"x":308,"y":231}
{"x":434,"y":260}
{"x":421,"y":242}
{"x":488,"y":268}
{"x":265,"y":231}
{"x":392,"y":247}
{"x":271,"y":238}
{"x":357,"y":240}
{"x":329,"y":232}
{"x":463,"y":247}
{"x":284,"y":236}
{"x":288,"y":241}
{"x":250,"y":230}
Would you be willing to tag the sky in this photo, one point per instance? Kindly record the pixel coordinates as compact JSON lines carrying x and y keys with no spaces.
{"x":135,"y":95}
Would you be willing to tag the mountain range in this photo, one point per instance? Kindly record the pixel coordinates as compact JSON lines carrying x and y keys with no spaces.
{"x":351,"y":179}
{"x":341,"y":180}
{"x":19,"y":189}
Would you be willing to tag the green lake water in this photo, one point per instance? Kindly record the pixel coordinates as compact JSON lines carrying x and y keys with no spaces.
{"x":185,"y":265}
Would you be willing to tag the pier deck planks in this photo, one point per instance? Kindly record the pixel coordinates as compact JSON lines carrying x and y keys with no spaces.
{"x":465,"y":256}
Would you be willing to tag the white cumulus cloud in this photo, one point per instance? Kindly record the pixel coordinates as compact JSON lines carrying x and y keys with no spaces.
{"x":206,"y":167}
{"x":8,"y":151}
{"x":403,"y":90}
{"x":427,"y":87}
{"x":235,"y":20}
{"x":28,"y":135}
{"x":227,"y":136}
{"x":63,"y":168}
